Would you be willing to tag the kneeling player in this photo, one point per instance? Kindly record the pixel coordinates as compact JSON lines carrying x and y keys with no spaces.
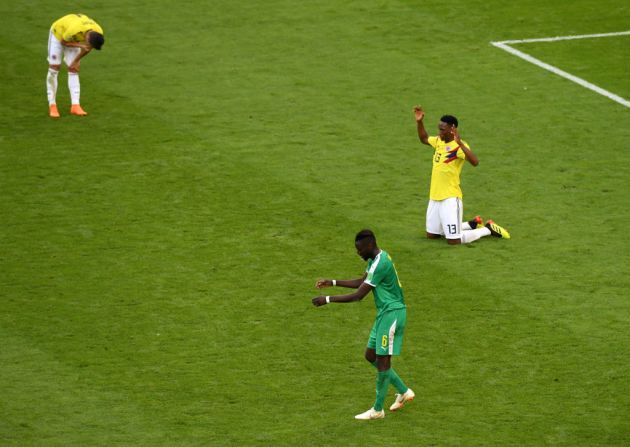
{"x":445,"y":209}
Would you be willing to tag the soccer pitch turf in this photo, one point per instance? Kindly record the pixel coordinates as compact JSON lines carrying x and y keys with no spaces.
{"x":158,"y":257}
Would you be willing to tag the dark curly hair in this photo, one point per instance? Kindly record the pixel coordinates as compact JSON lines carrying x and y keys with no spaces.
{"x":449,"y":119}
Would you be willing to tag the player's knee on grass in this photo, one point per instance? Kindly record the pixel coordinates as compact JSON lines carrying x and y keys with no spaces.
{"x":454,"y":241}
{"x":433,"y":236}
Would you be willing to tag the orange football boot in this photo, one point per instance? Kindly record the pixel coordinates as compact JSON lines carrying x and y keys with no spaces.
{"x":77,"y":110}
{"x":52,"y":111}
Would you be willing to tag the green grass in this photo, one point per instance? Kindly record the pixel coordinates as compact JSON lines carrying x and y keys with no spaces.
{"x":158,"y":257}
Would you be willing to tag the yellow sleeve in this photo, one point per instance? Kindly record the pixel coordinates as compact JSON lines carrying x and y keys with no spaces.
{"x":433,"y":141}
{"x":460,"y":153}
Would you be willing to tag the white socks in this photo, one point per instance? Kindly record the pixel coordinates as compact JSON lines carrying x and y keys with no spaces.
{"x":469,"y":236}
{"x":51,"y":86}
{"x":73,"y":84}
{"x":75,"y":87}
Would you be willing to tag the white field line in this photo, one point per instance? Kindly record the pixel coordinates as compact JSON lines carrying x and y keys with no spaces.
{"x":557,"y":38}
{"x":505,"y":46}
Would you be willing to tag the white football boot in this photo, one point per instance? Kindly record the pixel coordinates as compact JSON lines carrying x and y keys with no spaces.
{"x":371,"y":414}
{"x":401,"y":399}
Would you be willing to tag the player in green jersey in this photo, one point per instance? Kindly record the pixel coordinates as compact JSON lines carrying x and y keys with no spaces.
{"x":387,"y":332}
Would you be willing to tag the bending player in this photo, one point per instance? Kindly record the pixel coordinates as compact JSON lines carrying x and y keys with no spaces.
{"x":71,"y":38}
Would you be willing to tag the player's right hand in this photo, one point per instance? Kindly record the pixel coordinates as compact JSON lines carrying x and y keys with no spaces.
{"x":321,"y":283}
{"x":319,"y":301}
{"x":418,"y":112}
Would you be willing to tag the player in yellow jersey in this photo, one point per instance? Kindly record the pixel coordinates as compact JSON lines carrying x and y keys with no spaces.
{"x":445,"y":210}
{"x":70,"y":39}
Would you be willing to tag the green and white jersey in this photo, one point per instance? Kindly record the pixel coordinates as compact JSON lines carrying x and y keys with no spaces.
{"x":382,"y":275}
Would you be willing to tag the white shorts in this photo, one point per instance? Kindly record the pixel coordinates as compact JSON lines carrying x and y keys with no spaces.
{"x":56,"y":51}
{"x":444,"y":217}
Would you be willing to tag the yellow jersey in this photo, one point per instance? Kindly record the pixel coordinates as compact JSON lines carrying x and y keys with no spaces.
{"x":72,"y":28}
{"x":448,"y":161}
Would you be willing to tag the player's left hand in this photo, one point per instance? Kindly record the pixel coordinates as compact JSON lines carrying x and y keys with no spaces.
{"x":319,"y":301}
{"x":321,"y":283}
{"x":455,"y":133}
{"x":75,"y":66}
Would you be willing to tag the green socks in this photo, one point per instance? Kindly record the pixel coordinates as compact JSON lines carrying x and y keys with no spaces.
{"x":382,"y":382}
{"x":395,"y":380}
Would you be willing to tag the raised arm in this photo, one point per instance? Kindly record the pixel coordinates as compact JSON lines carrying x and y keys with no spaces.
{"x":363,"y":290}
{"x":422,"y":133}
{"x":470,"y":156}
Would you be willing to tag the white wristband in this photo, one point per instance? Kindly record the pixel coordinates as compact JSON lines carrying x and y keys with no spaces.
{"x":328,"y":299}
{"x":334,"y":281}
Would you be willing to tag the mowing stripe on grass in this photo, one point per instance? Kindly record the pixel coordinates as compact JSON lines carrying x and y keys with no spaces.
{"x":505,"y":45}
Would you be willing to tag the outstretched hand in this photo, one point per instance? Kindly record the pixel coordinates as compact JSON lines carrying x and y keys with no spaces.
{"x":322,"y":283}
{"x":417,"y":110}
{"x":319,"y":301}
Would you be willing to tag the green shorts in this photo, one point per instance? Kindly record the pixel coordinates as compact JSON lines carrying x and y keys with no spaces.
{"x":387,"y":333}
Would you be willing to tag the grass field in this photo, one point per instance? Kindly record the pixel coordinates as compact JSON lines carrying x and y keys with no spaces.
{"x":158,"y":257}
